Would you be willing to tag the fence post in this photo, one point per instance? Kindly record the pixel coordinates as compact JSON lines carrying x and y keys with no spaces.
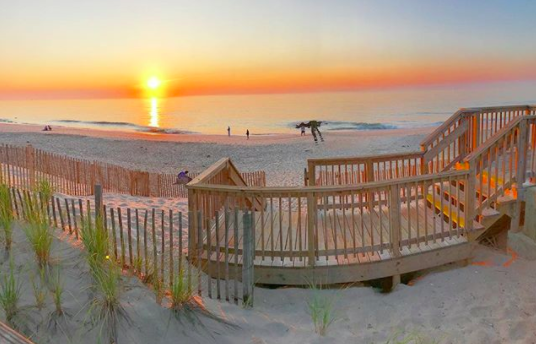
{"x":93,"y":176}
{"x":30,"y":164}
{"x":247,"y":260}
{"x":98,"y":202}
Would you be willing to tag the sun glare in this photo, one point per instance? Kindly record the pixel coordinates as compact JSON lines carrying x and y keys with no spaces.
{"x":153,"y":83}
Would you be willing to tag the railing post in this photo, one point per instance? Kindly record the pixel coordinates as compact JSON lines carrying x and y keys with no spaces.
{"x":521,"y":173}
{"x":311,"y":171}
{"x":470,"y":194}
{"x":311,"y":216}
{"x":192,"y":225}
{"x":394,"y":215}
{"x":247,"y":260}
{"x":476,"y":130}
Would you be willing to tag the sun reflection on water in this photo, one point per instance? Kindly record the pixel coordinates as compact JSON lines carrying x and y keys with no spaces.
{"x":154,"y":120}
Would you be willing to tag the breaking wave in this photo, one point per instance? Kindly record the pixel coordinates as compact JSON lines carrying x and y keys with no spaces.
{"x":123,"y":125}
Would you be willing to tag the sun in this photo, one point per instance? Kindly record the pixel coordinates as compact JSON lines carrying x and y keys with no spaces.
{"x":153,"y":83}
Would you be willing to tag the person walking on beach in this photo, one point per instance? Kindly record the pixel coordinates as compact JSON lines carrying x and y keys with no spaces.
{"x":314,"y":129}
{"x":247,"y":134}
{"x":228,"y":131}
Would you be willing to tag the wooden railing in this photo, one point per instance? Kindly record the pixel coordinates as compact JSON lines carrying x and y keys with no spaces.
{"x":385,"y":216}
{"x":502,"y":165}
{"x":464,"y":131}
{"x":356,"y":170}
{"x":441,"y":150}
{"x":22,"y":167}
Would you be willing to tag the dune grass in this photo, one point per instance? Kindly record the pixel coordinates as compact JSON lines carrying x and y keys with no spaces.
{"x":181,"y":294}
{"x":6,"y":216}
{"x":10,"y":293}
{"x":321,"y":309}
{"x":106,"y":308}
{"x":97,"y":244}
{"x":39,"y":290}
{"x":38,"y":231}
{"x":57,"y":290}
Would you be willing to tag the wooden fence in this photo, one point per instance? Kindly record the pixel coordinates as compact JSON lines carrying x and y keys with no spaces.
{"x":22,"y":167}
{"x":149,"y":242}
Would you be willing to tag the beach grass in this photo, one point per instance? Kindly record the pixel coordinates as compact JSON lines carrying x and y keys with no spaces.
{"x":39,"y":290}
{"x":181,"y":293}
{"x":6,"y":216}
{"x":106,"y":307}
{"x":321,"y":309}
{"x":57,"y":290}
{"x":97,"y":244}
{"x":38,"y":231}
{"x":10,"y":293}
{"x":45,"y":190}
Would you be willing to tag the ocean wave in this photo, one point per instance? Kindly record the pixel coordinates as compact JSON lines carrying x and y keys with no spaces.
{"x":132,"y":126}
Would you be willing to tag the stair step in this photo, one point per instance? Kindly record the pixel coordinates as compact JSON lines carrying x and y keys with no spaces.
{"x":452,"y":214}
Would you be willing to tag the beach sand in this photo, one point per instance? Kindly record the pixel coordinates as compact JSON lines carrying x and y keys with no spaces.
{"x":283,"y":157}
{"x":489,"y":301}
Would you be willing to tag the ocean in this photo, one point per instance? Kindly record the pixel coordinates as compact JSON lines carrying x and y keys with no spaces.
{"x":265,"y":114}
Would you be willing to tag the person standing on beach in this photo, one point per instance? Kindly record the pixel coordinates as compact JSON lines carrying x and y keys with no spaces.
{"x":247,"y":134}
{"x":228,"y":131}
{"x":303,"y":131}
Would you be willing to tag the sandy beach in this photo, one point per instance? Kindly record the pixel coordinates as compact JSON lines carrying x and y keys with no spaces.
{"x":489,"y":301}
{"x":282,"y":156}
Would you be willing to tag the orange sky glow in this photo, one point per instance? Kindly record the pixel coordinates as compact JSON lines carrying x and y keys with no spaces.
{"x":105,"y":49}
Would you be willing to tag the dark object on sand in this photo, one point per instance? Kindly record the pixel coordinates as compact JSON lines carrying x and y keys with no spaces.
{"x":314,"y":125}
{"x":182,"y":178}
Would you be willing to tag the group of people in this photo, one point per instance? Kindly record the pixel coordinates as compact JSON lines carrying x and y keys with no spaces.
{"x":314,"y":125}
{"x":47,"y":128}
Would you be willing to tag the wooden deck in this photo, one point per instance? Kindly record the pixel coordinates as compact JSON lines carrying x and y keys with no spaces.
{"x":361,"y":218}
{"x":343,"y":237}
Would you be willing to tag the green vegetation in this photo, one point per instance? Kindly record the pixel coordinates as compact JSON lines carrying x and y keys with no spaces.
{"x":321,"y":309}
{"x":6,"y":215}
{"x":106,"y":307}
{"x":97,"y":244}
{"x":37,"y":230}
{"x":57,"y":292}
{"x":180,"y":293}
{"x":39,"y":290}
{"x":10,"y":292}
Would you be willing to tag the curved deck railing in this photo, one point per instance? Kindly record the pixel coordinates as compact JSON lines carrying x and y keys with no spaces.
{"x":312,"y":227}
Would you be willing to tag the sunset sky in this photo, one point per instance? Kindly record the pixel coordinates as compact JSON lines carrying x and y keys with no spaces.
{"x":110,"y":48}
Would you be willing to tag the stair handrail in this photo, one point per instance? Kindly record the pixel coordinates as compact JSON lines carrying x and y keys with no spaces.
{"x":488,"y":164}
